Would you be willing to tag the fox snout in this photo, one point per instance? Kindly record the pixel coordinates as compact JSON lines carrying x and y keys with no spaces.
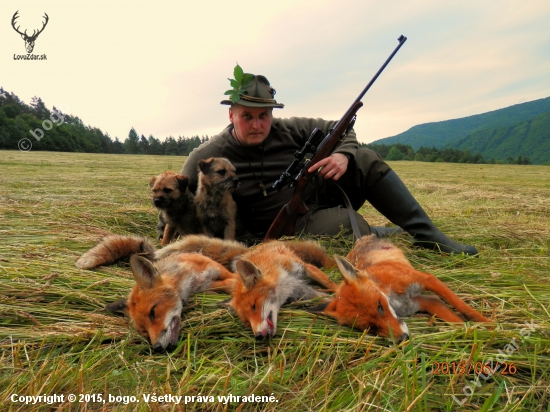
{"x":395,"y":328}
{"x":167,"y":339}
{"x":267,"y":328}
{"x":157,"y":347}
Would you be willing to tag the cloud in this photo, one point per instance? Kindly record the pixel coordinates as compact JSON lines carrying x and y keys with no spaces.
{"x":162,"y":67}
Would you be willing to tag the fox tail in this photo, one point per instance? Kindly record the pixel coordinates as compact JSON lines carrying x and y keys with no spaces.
{"x":113,"y":247}
{"x":311,"y":252}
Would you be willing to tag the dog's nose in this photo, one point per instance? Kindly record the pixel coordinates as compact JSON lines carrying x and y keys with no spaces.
{"x":403,"y":337}
{"x":157,"y":201}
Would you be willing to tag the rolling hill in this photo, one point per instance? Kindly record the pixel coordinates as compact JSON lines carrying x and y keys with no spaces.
{"x":530,"y":138}
{"x":446,"y":133}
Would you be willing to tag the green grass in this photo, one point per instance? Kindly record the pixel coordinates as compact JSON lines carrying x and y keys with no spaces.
{"x":55,"y":337}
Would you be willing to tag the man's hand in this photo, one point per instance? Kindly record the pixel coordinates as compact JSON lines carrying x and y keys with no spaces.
{"x":333,"y":167}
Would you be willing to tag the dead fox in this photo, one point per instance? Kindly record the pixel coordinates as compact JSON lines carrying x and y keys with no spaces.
{"x":269,"y":275}
{"x":272,"y":275}
{"x":114,"y":247}
{"x":165,"y":280}
{"x":380,"y":287}
{"x":216,"y":209}
{"x":176,"y":204}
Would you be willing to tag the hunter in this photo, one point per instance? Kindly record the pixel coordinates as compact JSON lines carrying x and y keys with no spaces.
{"x":261,"y":147}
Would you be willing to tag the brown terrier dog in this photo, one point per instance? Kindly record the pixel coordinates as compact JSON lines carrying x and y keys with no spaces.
{"x":216,"y":209}
{"x":175,"y":202}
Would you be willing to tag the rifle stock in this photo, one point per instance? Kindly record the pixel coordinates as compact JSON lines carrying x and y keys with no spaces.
{"x":285,"y":222}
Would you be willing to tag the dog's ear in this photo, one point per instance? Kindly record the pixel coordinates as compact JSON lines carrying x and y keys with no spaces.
{"x":204,"y":165}
{"x":183,"y":181}
{"x":120,"y":307}
{"x":152,"y":181}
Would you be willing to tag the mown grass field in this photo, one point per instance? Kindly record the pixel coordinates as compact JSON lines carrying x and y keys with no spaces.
{"x":55,"y":337}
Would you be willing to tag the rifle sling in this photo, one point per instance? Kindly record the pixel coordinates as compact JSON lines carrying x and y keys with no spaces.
{"x":351,"y":212}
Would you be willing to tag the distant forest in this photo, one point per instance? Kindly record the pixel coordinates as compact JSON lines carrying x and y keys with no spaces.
{"x":49,"y":133}
{"x":399,"y":151}
{"x":55,"y":131}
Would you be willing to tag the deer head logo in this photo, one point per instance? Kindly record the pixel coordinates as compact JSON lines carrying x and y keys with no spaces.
{"x":29,"y":40}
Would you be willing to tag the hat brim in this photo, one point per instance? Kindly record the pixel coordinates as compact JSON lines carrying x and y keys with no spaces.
{"x":253,"y":104}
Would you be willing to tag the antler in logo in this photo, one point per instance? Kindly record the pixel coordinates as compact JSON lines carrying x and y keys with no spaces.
{"x":29,"y":40}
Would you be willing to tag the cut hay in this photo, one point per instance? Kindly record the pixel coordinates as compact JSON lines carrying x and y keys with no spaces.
{"x":56,"y":338}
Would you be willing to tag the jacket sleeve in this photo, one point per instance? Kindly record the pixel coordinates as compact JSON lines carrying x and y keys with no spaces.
{"x":190,"y":169}
{"x":348,"y":146}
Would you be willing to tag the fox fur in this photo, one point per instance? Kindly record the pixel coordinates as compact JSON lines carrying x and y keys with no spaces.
{"x":165,"y":280}
{"x":269,"y":275}
{"x":380,"y":287}
{"x":272,"y":275}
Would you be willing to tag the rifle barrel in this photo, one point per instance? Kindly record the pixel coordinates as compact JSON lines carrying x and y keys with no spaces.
{"x":284,"y":223}
{"x":401,"y":40}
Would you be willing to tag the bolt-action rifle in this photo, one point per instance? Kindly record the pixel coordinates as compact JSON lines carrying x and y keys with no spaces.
{"x":284,"y":223}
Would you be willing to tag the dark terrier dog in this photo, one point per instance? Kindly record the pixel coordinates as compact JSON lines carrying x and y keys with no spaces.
{"x":175,"y":202}
{"x":216,"y":209}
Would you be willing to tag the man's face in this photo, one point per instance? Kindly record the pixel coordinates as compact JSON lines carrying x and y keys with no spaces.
{"x":251,"y":124}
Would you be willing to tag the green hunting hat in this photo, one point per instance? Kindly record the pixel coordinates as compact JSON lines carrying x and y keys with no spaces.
{"x":251,"y":90}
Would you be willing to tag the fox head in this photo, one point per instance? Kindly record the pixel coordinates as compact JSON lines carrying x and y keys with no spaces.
{"x":361,"y":304}
{"x":154,"y":307}
{"x":255,"y":300}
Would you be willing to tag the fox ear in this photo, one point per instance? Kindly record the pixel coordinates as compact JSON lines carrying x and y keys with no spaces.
{"x":347,"y":270}
{"x":120,"y":307}
{"x":319,"y":309}
{"x":249,"y":273}
{"x":328,"y":308}
{"x":145,"y":274}
{"x":227,"y":305}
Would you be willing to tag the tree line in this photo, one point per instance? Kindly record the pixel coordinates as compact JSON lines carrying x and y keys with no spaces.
{"x":400,"y":151}
{"x":56,"y":131}
{"x":53,"y":130}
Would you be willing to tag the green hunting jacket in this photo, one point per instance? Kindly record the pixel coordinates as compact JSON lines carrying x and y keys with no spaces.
{"x":263,"y":163}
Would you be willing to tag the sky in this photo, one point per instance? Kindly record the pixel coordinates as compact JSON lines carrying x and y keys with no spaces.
{"x":162,"y":67}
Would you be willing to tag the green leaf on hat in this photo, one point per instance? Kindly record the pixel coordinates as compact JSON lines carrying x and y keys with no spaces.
{"x":238,"y":73}
{"x":240,"y":81}
{"x":247,"y":78}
